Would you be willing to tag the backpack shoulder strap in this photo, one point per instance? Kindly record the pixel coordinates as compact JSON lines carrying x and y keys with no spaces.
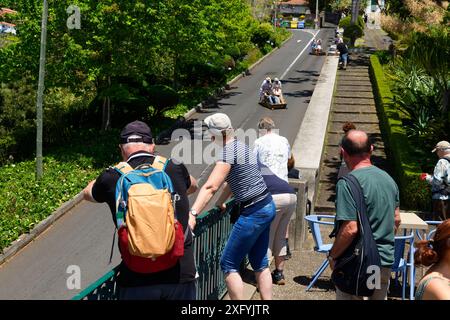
{"x":160,"y":163}
{"x":447,"y":173}
{"x":123,"y":168}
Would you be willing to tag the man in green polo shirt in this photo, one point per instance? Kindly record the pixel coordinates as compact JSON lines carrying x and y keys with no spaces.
{"x":382,"y":200}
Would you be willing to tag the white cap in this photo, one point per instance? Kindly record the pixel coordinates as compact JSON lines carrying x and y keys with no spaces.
{"x":217,"y":123}
{"x":442,"y":145}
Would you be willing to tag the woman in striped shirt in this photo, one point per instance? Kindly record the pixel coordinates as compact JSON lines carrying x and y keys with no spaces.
{"x":238,"y":169}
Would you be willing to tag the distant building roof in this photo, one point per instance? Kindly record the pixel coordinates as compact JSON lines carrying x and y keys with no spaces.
{"x":4,"y":11}
{"x":7,"y":24}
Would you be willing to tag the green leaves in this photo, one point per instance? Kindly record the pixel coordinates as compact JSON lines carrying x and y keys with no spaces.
{"x":25,"y":201}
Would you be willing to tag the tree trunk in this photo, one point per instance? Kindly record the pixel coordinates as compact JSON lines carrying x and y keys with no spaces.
{"x":445,"y":108}
{"x":106,"y":110}
{"x":355,"y":11}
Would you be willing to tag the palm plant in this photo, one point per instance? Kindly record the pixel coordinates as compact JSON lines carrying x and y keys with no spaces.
{"x":431,"y":52}
{"x":417,"y":97}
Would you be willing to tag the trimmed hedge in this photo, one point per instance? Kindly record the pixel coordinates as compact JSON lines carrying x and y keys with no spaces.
{"x":414,"y":193}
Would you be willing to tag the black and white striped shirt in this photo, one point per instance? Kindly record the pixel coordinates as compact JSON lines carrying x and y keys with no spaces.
{"x":244,"y":178}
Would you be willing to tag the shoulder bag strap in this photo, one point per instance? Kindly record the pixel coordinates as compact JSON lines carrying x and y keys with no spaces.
{"x":358,"y":196}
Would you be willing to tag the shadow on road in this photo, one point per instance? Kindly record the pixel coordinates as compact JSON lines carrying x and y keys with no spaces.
{"x":319,"y":284}
{"x":299,"y":94}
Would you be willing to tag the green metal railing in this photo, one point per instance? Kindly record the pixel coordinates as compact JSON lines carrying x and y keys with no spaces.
{"x":104,"y":288}
{"x":211,"y":234}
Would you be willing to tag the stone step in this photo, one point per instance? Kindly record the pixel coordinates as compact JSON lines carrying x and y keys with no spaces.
{"x":367,"y":88}
{"x":356,"y":68}
{"x":354,"y":73}
{"x":362,"y":83}
{"x":353,"y":94}
{"x":327,"y":192}
{"x":353,"y":108}
{"x":333,"y":161}
{"x":357,"y":122}
{"x":352,"y":78}
{"x":355,"y":118}
{"x":370,"y":128}
{"x":332,"y":151}
{"x":358,"y":101}
{"x":328,"y":174}
{"x":349,"y":111}
{"x":334,"y":139}
{"x":324,"y":209}
{"x":325,"y":199}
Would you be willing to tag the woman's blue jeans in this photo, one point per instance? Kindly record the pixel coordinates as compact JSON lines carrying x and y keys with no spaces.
{"x":250,"y":236}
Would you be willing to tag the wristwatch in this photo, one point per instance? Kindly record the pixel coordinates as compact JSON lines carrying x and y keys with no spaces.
{"x":193,"y":212}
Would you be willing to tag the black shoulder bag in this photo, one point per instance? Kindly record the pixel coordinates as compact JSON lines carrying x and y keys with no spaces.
{"x":355,"y":266}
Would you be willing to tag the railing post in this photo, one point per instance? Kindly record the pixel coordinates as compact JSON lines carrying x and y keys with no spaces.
{"x":299,"y":229}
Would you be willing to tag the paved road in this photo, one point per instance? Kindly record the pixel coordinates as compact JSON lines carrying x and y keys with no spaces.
{"x":83,"y":236}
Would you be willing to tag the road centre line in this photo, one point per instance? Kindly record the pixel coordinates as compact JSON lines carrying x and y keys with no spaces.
{"x":298,"y":57}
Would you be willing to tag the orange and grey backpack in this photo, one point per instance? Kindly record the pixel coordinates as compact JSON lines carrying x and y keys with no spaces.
{"x":150,"y":237}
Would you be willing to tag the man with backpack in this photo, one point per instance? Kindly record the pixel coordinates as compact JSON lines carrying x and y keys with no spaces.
{"x":380,"y":198}
{"x":148,"y":198}
{"x":440,"y":182}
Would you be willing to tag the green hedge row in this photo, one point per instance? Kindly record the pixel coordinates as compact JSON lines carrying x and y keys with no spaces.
{"x":414,"y":193}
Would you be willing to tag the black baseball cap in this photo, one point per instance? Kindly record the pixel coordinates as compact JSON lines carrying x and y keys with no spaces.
{"x":136,"y":131}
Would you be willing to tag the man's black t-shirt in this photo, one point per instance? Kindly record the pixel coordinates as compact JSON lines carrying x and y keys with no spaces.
{"x":184,"y":271}
{"x":342,"y":48}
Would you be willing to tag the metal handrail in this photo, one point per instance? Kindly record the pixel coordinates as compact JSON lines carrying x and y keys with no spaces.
{"x":211,"y":234}
{"x":104,"y":288}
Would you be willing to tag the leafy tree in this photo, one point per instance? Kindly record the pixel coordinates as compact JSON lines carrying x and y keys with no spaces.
{"x":121,"y":45}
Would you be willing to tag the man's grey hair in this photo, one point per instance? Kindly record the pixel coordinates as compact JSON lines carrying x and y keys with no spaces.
{"x":266,"y":123}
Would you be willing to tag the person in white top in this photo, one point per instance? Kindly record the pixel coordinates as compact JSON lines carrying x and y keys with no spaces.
{"x":276,"y":84}
{"x":272,"y":150}
{"x":266,"y":88}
